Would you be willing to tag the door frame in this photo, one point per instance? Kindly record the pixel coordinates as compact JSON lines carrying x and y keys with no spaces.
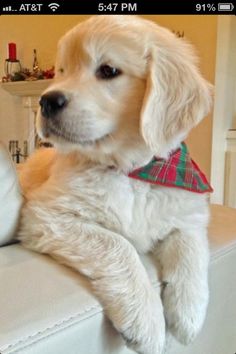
{"x":225,"y":86}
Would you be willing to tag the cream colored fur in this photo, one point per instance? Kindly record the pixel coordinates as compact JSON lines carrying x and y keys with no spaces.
{"x":83,"y":210}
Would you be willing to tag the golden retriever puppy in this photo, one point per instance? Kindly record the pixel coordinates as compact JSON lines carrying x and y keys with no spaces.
{"x":125,"y":91}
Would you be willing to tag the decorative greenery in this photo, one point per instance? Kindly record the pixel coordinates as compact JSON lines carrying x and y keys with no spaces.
{"x":27,"y":75}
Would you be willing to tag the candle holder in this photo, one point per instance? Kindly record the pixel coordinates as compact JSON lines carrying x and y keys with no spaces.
{"x":12,"y":66}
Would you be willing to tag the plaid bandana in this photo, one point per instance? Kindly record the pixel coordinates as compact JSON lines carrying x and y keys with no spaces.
{"x":178,"y":171}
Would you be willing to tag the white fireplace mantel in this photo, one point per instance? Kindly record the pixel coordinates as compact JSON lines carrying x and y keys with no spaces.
{"x":26,"y":88}
{"x":30,"y":92}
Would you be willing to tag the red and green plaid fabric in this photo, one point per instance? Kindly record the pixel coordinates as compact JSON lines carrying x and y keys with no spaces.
{"x":179,"y":171}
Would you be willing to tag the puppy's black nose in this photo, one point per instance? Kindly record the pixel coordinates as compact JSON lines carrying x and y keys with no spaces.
{"x":51,"y":103}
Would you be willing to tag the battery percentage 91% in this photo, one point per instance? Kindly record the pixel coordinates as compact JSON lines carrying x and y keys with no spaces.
{"x":205,"y":7}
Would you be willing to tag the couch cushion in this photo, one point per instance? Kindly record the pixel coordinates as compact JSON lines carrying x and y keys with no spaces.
{"x":10,"y":197}
{"x":48,"y":308}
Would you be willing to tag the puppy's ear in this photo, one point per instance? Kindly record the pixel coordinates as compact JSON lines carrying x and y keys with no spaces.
{"x":177,"y":97}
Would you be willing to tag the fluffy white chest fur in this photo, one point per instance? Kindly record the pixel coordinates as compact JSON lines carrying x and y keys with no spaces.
{"x":139,"y":211}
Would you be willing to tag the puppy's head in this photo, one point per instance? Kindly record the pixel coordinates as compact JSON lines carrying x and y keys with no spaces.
{"x":125,"y":89}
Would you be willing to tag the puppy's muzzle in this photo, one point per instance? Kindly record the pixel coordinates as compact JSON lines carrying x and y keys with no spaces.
{"x":52,"y":103}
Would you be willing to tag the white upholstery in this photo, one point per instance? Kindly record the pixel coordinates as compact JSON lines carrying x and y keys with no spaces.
{"x":10,"y":197}
{"x":46,"y":308}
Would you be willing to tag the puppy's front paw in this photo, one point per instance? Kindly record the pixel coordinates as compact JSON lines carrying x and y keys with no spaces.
{"x":146,"y":332}
{"x":185,"y":310}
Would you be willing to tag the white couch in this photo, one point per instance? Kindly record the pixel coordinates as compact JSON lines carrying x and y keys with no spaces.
{"x":46,"y":308}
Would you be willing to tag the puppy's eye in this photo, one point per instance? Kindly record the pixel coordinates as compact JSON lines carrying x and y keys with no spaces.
{"x":107,"y":72}
{"x":61,"y":70}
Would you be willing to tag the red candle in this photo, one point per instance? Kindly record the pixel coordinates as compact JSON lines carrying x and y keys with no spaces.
{"x":12,"y":51}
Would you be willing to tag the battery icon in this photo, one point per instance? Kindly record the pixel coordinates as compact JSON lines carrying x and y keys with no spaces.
{"x":226,"y":6}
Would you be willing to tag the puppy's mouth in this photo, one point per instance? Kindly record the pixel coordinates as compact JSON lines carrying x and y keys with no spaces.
{"x":50,"y":129}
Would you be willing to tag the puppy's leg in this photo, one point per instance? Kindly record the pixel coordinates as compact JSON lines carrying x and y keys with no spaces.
{"x":184,"y":260}
{"x":117,"y":275}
